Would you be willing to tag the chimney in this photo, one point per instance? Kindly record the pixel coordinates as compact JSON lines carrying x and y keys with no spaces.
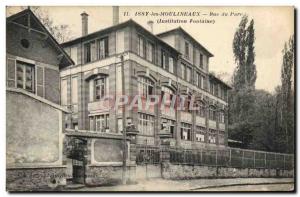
{"x":84,"y":20}
{"x":115,"y":15}
{"x":150,"y":24}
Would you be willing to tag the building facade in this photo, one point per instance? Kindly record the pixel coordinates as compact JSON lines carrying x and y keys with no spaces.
{"x":171,"y":64}
{"x":34,"y":117}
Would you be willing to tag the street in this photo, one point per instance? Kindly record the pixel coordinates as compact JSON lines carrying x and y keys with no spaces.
{"x":263,"y":187}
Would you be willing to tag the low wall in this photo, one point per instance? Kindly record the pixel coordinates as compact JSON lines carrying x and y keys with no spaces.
{"x":178,"y":171}
{"x":33,"y":179}
{"x":108,"y":175}
{"x":148,"y":171}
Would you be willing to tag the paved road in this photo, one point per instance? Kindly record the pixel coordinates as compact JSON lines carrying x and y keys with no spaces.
{"x":267,"y":187}
{"x":198,"y":185}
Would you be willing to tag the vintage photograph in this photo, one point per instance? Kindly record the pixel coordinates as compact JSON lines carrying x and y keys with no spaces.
{"x":150,"y":98}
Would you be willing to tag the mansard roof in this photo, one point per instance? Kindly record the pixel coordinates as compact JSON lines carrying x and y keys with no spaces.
{"x":181,"y":30}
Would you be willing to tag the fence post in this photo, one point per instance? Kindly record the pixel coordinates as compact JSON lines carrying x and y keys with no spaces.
{"x":253,"y":159}
{"x":201,"y":160}
{"x":265,"y":160}
{"x":216,"y":157}
{"x":284,"y":162}
{"x":243,"y":159}
{"x":230,"y":158}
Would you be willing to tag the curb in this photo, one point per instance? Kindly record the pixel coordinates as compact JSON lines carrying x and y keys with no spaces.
{"x":239,"y":184}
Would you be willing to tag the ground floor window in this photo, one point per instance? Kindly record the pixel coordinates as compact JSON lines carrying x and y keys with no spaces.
{"x":212,"y":136}
{"x":186,"y":131}
{"x":170,"y":126}
{"x":146,"y":124}
{"x":99,"y":123}
{"x":221,"y":137}
{"x":200,"y":133}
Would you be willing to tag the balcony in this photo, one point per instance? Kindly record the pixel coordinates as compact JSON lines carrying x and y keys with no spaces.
{"x":212,"y":124}
{"x":200,"y":121}
{"x":99,"y":106}
{"x":186,"y":117}
{"x":222,"y":126}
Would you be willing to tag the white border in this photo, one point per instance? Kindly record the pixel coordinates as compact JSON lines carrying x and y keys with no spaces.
{"x":111,"y":2}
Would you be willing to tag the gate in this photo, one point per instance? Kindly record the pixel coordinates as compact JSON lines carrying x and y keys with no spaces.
{"x":78,"y":150}
{"x":148,"y":162}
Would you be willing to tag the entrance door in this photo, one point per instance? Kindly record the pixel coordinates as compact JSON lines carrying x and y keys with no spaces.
{"x":78,"y":160}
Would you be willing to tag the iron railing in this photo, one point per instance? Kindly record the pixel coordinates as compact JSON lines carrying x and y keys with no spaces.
{"x":229,"y":157}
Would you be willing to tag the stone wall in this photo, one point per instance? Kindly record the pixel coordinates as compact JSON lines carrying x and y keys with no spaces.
{"x":178,"y":171}
{"x":33,"y":179}
{"x":108,"y":175}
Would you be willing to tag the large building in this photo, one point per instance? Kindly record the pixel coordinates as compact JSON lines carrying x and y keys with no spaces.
{"x":171,"y":63}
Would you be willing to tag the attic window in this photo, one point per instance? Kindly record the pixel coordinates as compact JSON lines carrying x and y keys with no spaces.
{"x":25,"y":43}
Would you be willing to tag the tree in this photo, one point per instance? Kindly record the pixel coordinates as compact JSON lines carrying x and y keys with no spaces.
{"x":61,"y":32}
{"x":243,"y":49}
{"x":242,"y":97}
{"x":287,"y":120}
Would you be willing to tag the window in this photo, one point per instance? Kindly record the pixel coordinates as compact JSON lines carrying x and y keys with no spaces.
{"x":163,"y":59}
{"x":201,"y":109}
{"x":216,"y":89}
{"x":102,"y":46}
{"x":212,"y":135}
{"x":169,"y":126}
{"x":99,"y":88}
{"x":185,"y":131}
{"x":146,"y":124}
{"x":150,"y":51}
{"x":183,"y":71}
{"x":145,"y":86}
{"x":141,"y":47}
{"x":99,"y":123}
{"x":171,"y":65}
{"x":211,"y":87}
{"x":201,"y":60}
{"x":74,"y":54}
{"x":200,"y":133}
{"x":221,"y":138}
{"x":212,"y":113}
{"x":188,"y":74}
{"x":221,"y":117}
{"x":25,"y":76}
{"x":167,"y":93}
{"x":187,"y":50}
{"x":64,"y":92}
{"x":87,"y":52}
{"x":74,"y":90}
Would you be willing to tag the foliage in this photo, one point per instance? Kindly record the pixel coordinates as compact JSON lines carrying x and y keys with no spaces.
{"x":261,"y":120}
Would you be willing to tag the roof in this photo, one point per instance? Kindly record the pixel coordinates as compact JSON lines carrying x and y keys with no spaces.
{"x":181,"y":30}
{"x":219,"y":80}
{"x":116,"y":27}
{"x":66,"y":58}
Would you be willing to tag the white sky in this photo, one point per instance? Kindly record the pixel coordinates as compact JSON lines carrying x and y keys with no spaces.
{"x":273,"y":26}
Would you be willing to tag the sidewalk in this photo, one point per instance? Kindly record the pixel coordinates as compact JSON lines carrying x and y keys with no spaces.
{"x":186,"y":185}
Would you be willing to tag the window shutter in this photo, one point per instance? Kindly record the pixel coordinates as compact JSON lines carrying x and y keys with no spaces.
{"x":93,"y":51}
{"x":40,"y":81}
{"x":11,"y":73}
{"x":79,"y":54}
{"x":91,"y":90}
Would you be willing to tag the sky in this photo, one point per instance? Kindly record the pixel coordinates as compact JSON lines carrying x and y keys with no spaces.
{"x":273,"y":27}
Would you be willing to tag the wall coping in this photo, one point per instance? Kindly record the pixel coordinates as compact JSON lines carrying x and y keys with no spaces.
{"x":35,"y":167}
{"x":86,"y":133}
{"x":38,"y":98}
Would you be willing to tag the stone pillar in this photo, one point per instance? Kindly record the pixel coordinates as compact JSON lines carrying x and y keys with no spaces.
{"x":165,"y":157}
{"x":206,"y":122}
